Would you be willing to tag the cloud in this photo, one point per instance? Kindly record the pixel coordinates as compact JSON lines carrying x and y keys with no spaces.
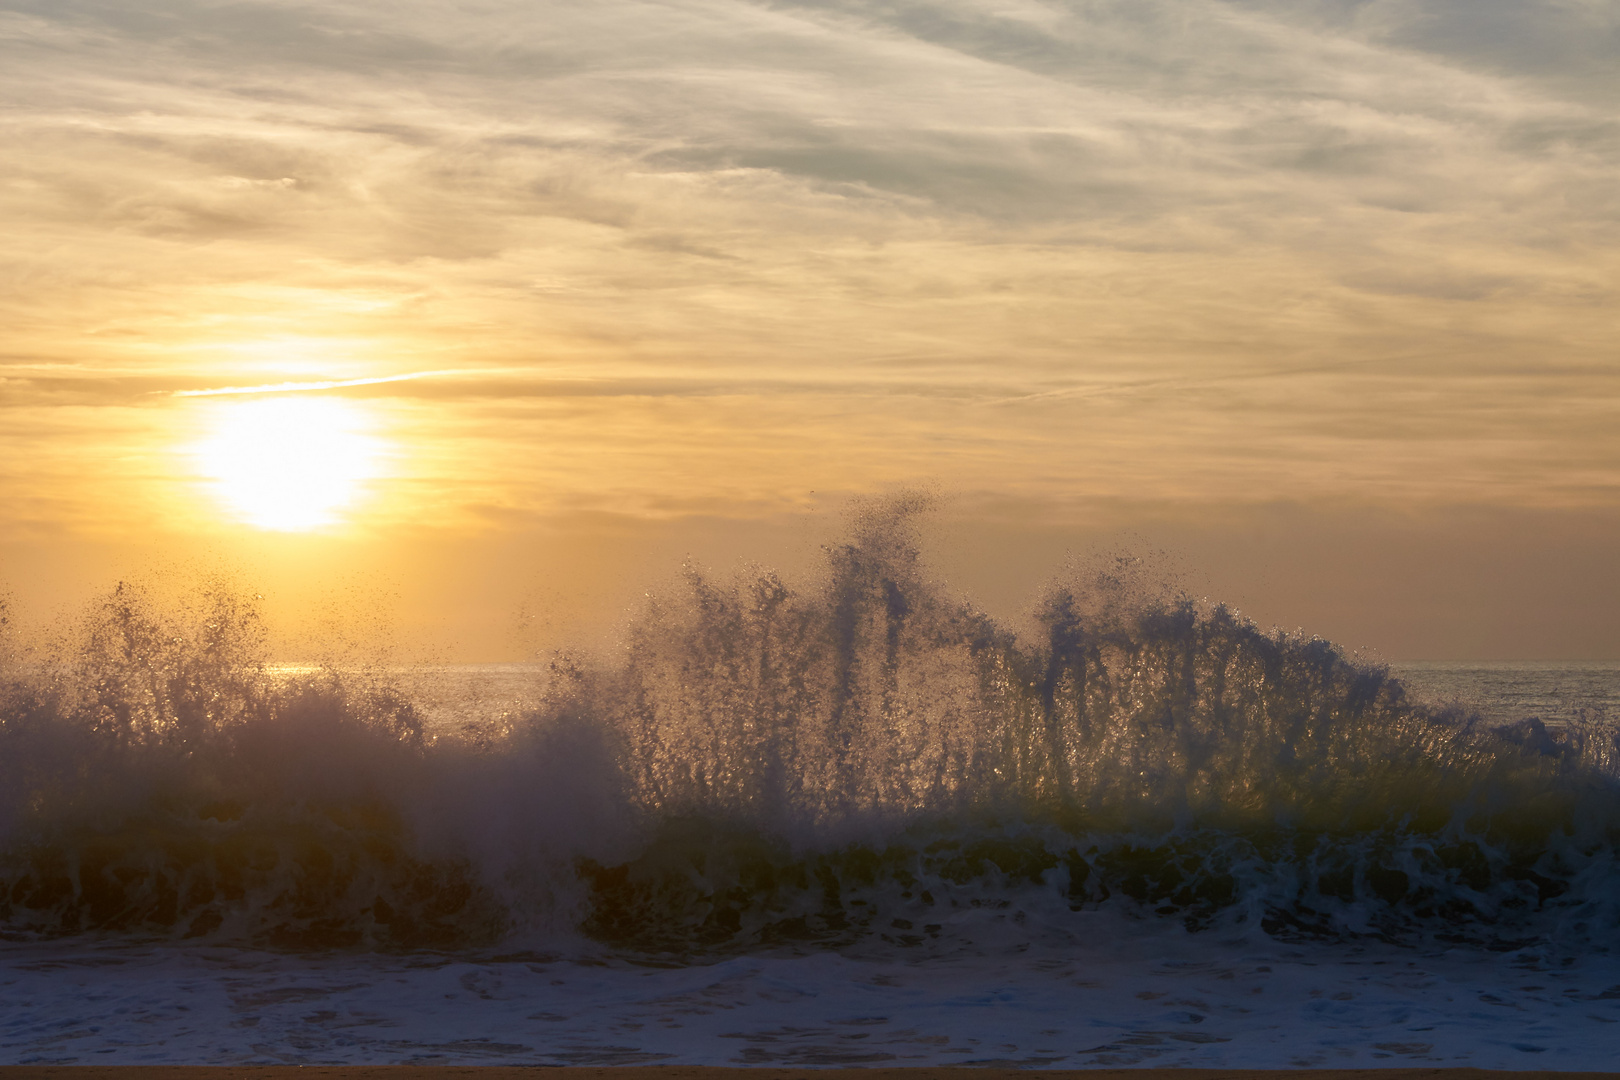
{"x":910,"y":207}
{"x":1043,"y":115}
{"x":1571,"y":46}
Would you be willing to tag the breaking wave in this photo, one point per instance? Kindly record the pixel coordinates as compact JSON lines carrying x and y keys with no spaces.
{"x":864,"y":761}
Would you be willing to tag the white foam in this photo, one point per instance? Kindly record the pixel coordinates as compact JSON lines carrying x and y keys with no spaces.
{"x":1157,"y":997}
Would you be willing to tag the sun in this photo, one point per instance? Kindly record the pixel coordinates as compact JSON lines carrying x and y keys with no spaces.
{"x":290,"y":464}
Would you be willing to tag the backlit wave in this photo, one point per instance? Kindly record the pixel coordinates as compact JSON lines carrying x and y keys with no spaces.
{"x":862,"y":761}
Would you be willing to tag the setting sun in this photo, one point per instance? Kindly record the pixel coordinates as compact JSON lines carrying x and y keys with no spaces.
{"x":289,"y":463}
{"x":687,"y":536}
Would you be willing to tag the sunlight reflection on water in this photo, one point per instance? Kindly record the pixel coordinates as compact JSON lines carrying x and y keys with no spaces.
{"x":1556,"y":691}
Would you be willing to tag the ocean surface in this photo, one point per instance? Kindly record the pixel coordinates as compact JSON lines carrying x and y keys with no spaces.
{"x":845,"y":821}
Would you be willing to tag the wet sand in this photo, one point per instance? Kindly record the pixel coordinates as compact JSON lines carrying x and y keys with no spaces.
{"x":706,"y":1072}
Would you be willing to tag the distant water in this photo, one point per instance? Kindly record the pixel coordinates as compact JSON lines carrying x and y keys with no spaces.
{"x":1499,"y":691}
{"x":842,"y":822}
{"x":1504,"y":691}
{"x":452,"y":697}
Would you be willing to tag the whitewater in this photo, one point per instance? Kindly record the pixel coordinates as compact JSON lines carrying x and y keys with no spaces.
{"x":851,"y":820}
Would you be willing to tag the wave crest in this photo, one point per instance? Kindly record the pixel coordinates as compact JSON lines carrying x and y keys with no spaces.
{"x":834,"y":763}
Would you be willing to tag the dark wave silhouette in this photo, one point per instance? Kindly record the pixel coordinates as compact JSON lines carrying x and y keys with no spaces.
{"x":770,"y":766}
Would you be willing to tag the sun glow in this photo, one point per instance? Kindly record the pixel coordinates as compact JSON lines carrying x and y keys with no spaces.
{"x":291,"y":464}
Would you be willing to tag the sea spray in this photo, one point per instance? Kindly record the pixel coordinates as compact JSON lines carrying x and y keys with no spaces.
{"x":861,"y":761}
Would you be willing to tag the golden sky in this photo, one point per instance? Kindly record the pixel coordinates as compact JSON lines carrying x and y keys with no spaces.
{"x":1322,"y":295}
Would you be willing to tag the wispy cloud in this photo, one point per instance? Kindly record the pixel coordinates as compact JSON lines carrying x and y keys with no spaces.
{"x":519,"y":220}
{"x":294,"y":387}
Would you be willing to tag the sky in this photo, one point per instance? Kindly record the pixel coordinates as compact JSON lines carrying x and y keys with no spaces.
{"x":481,"y":315}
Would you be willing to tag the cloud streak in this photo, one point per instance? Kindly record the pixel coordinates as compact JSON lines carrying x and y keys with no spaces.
{"x":893,"y":211}
{"x":296,"y":387}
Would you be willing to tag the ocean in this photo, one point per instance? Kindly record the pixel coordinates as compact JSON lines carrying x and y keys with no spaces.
{"x":846,"y":821}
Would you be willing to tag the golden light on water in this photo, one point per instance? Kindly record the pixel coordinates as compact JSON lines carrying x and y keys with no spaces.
{"x":290,"y":464}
